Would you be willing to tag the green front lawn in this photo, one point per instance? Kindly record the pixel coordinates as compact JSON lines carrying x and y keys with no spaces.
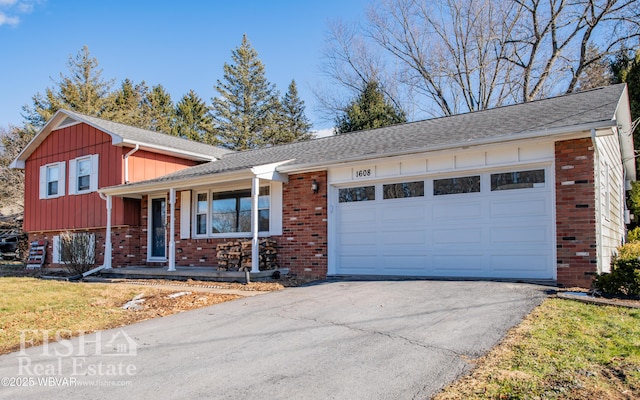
{"x":563,"y":350}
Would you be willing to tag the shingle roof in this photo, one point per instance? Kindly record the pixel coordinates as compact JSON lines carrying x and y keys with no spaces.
{"x":494,"y":125}
{"x":121,"y":134}
{"x":143,"y":136}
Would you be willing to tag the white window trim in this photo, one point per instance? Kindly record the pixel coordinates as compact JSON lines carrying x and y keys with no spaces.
{"x":44,"y":183}
{"x":93,"y":177}
{"x":275,"y":213}
{"x":151,"y":258}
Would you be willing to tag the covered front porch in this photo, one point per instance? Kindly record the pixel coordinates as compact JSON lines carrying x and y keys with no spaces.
{"x":195,"y":273}
{"x":183,"y":219}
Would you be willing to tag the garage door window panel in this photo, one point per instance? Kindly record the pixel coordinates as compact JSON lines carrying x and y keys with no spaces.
{"x":403,"y":190}
{"x":360,"y":193}
{"x":517,"y":180}
{"x":465,"y":184}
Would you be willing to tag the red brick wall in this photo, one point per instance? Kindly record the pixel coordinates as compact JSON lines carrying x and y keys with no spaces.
{"x":125,"y":245}
{"x":575,"y":213}
{"x":302,"y":247}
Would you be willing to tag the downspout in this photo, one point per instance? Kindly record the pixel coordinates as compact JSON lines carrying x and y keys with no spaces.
{"x":172,"y":230}
{"x":126,"y":162}
{"x":596,"y":158}
{"x":255,"y":249}
{"x":106,"y":264}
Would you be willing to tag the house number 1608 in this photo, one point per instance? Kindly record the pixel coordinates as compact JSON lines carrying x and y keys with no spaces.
{"x":361,"y":173}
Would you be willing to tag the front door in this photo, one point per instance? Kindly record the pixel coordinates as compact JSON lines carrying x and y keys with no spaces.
{"x":158,"y":228}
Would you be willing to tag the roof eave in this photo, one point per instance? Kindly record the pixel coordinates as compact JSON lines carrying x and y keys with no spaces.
{"x":167,"y":150}
{"x":38,"y":138}
{"x":559,"y":132}
{"x":185,"y":183}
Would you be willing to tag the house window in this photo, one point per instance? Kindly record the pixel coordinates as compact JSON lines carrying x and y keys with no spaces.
{"x":83,"y":174}
{"x":202,"y":205}
{"x":230,"y":212}
{"x":52,"y":180}
{"x":517,"y":180}
{"x":53,"y":173}
{"x":465,"y":184}
{"x":361,"y":193}
{"x":402,"y":190}
{"x":76,"y":248}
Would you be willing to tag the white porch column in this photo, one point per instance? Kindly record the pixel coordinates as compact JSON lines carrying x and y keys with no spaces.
{"x":108,"y":252}
{"x":255,"y":243}
{"x":172,"y":230}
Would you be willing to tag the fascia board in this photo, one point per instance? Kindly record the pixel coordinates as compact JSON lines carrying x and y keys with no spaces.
{"x":560,"y":133}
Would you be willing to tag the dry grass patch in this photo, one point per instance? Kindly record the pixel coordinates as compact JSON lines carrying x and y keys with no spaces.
{"x":563,"y":350}
{"x":28,"y":304}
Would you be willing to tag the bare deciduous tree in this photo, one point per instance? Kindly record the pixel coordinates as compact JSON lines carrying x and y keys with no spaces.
{"x":12,"y":141}
{"x":443,"y":57}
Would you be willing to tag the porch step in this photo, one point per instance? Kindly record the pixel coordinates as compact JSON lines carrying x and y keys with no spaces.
{"x":185,"y":273}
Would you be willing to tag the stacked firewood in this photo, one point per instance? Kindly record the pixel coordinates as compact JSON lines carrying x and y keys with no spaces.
{"x":236,"y":256}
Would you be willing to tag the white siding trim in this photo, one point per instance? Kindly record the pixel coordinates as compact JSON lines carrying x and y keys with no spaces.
{"x":56,"y":250}
{"x":73,"y":181}
{"x":185,"y":214}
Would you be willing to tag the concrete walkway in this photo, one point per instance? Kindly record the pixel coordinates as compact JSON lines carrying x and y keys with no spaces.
{"x":338,"y":340}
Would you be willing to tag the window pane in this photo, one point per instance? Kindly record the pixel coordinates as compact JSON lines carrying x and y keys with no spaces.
{"x":52,"y":188}
{"x":362,"y":193}
{"x":223,"y":222}
{"x":224,"y":216}
{"x":224,"y":206}
{"x":84,"y":167}
{"x":263,"y":221}
{"x":52,"y":174}
{"x":201,"y":224}
{"x":517,"y":180}
{"x":201,"y":207}
{"x":83,"y":182}
{"x":244,"y":221}
{"x":264,"y":202}
{"x":232,"y":211}
{"x":245,"y":204}
{"x":401,"y":190}
{"x":466,"y":184}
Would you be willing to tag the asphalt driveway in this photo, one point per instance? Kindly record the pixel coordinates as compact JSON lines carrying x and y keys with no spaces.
{"x":336,"y":340}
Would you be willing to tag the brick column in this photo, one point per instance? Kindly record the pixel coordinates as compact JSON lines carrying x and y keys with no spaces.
{"x":575,"y":213}
{"x":303,"y":245}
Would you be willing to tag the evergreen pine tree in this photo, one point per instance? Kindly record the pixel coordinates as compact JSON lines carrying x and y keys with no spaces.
{"x":193,"y":120}
{"x":126,"y":105}
{"x":245,"y":112}
{"x":626,"y":68}
{"x":295,"y":125}
{"x":82,"y":90}
{"x":160,"y":109}
{"x":369,"y":111}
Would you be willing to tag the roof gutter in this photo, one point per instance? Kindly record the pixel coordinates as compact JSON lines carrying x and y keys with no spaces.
{"x":584,"y":128}
{"x":126,"y":162}
{"x":170,"y":150}
{"x":186,"y":183}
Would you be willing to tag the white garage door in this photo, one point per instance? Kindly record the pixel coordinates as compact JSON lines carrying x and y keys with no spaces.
{"x":495,"y":225}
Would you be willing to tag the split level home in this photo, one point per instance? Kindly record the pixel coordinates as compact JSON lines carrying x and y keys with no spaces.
{"x":532,"y":191}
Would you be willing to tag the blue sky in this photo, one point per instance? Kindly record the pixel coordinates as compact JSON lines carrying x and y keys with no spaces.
{"x":179,"y":44}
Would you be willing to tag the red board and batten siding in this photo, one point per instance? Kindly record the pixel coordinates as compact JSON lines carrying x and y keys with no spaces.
{"x":147,"y":165}
{"x":87,"y":210}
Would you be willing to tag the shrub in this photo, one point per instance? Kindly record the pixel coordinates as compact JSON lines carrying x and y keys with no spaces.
{"x":633,"y":235}
{"x":629,"y":251}
{"x":624,"y":279}
{"x":76,"y":251}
